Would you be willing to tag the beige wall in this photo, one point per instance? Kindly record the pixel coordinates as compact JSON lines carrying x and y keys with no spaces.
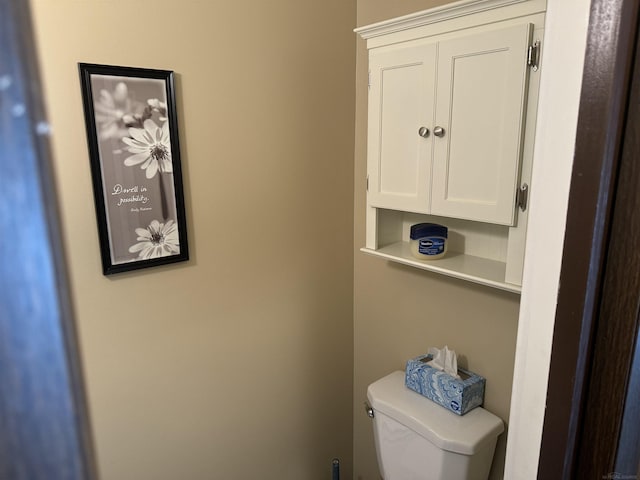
{"x":399,"y":311}
{"x":237,"y":364}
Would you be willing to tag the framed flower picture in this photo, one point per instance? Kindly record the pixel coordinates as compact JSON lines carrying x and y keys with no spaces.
{"x":132,"y":133}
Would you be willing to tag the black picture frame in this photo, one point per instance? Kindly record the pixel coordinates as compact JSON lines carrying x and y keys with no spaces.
{"x":132,"y":133}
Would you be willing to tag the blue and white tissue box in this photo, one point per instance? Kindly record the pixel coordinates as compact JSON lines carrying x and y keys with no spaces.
{"x":458,"y":395}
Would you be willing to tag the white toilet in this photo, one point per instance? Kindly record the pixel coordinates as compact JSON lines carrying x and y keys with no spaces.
{"x":417,"y":439}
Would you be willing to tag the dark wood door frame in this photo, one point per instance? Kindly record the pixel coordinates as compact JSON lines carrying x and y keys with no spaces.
{"x":590,"y":430}
{"x":44,"y":429}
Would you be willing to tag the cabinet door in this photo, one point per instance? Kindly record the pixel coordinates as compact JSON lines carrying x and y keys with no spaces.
{"x":482,"y":83}
{"x":400,"y":103}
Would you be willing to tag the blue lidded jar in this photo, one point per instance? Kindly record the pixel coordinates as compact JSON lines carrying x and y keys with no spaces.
{"x":428,"y":240}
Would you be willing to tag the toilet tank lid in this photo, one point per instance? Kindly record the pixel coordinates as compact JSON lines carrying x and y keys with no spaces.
{"x":460,"y":434}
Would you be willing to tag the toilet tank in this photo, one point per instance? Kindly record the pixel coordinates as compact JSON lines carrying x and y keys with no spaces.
{"x":416,"y":439}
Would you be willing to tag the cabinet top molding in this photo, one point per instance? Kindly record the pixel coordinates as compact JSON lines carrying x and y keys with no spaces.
{"x":439,"y":14}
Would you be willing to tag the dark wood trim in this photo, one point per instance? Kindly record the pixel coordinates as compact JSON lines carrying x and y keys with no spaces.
{"x":629,"y":456}
{"x":44,"y":427}
{"x":615,"y":330}
{"x":604,"y":95}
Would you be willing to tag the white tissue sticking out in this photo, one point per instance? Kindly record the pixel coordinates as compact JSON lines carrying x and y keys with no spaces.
{"x":444,"y":359}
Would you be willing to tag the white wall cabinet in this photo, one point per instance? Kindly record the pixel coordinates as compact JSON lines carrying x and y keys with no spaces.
{"x":402,"y":101}
{"x":452,"y":102}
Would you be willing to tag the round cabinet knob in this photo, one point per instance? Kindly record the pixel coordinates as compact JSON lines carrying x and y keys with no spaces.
{"x":423,"y":132}
{"x":438,"y":132}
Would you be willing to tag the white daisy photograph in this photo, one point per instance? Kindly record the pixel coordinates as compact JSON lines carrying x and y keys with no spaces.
{"x":132,"y":135}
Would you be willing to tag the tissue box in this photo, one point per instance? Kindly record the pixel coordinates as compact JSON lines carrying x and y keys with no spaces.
{"x":457,"y":395}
